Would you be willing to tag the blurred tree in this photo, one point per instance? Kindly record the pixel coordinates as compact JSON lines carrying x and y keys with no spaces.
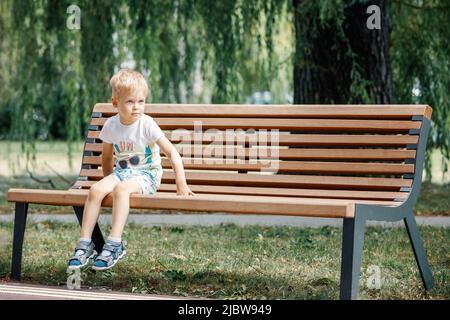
{"x":338,"y":58}
{"x":51,"y":76}
{"x":420,"y":51}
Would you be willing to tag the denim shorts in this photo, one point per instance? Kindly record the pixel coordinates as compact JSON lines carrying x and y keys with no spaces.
{"x":149,"y":180}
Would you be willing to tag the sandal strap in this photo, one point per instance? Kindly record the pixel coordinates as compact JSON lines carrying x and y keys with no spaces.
{"x":114,"y":250}
{"x":82,"y":246}
{"x":107,"y":259}
{"x":78,"y":249}
{"x":81,"y":258}
{"x":109,"y":247}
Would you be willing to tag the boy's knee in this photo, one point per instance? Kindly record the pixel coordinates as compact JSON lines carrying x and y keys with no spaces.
{"x":120,"y":189}
{"x":96,"y":191}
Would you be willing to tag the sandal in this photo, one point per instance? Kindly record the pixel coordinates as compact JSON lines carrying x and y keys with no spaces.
{"x":83,"y":252}
{"x":109,"y":256}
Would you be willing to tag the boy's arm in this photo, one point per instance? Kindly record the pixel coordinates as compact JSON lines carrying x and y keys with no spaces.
{"x":177,"y":164}
{"x":107,"y":159}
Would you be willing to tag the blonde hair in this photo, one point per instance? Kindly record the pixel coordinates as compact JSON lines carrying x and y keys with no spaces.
{"x":125,"y":80}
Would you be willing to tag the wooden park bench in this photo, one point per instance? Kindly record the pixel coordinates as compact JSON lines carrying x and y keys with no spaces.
{"x":355,"y":162}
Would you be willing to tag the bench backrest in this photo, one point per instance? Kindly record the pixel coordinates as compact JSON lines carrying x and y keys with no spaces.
{"x":323,"y":151}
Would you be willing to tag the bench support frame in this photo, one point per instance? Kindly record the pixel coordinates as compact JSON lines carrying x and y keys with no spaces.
{"x":354,"y":228}
{"x":352,"y":250}
{"x":20,"y":221}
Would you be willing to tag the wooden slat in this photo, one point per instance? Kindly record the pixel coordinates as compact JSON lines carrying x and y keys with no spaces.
{"x":304,"y":167}
{"x":298,"y":154}
{"x":208,"y":203}
{"x":95,"y":147}
{"x":302,"y":139}
{"x":86,"y":184}
{"x":278,"y":192}
{"x":279,"y":180}
{"x":285,"y":166}
{"x":289,"y":180}
{"x":92,"y":160}
{"x":297,"y":139}
{"x":286,"y":192}
{"x":283,"y":124}
{"x":428,"y":112}
{"x":288,"y":111}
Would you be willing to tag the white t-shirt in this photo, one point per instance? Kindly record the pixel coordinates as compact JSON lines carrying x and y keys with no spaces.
{"x":137,"y":139}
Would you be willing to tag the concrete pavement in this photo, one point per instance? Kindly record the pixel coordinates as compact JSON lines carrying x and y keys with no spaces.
{"x":238,"y":219}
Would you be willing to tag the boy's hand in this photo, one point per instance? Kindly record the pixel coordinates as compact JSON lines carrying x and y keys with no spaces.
{"x":184,"y":191}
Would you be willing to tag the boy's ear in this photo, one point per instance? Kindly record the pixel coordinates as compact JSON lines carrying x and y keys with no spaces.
{"x":114,"y":101}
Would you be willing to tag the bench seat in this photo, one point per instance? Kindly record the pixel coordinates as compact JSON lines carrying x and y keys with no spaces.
{"x":318,"y":207}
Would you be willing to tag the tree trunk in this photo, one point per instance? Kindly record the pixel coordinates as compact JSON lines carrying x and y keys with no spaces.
{"x":348,"y":67}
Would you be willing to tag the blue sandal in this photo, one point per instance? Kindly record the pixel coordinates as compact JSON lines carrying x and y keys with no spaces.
{"x":111,"y":254}
{"x":83,"y":253}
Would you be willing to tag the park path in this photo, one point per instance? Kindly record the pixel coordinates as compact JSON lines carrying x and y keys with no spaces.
{"x":238,"y":219}
{"x":21,"y":291}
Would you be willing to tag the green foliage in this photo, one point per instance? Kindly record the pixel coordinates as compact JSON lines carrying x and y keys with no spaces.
{"x":60,"y":73}
{"x":421,"y":65}
{"x":50,"y":76}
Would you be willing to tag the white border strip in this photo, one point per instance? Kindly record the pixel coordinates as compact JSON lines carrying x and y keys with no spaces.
{"x":74,"y":294}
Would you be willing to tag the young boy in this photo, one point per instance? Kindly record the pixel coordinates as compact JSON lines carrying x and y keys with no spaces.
{"x":135,"y":140}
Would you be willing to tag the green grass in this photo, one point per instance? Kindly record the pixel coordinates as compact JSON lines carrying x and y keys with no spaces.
{"x":26,"y":182}
{"x":434,"y":200}
{"x":53,"y":155}
{"x":51,"y":147}
{"x":232,"y":262}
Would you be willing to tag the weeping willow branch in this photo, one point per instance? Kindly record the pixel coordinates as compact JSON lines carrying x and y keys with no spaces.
{"x":49,"y":181}
{"x":69,"y":183}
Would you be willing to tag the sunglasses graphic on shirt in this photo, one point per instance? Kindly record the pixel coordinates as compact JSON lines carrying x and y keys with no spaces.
{"x":134,"y":160}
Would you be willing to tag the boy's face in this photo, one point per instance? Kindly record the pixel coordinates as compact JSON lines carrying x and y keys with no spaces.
{"x":130,"y":105}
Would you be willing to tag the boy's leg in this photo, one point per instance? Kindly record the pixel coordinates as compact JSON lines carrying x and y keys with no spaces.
{"x":121,"y":205}
{"x":114,"y":248}
{"x":92,"y":207}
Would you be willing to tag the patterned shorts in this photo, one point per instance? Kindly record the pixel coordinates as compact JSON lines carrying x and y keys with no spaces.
{"x":147,"y":179}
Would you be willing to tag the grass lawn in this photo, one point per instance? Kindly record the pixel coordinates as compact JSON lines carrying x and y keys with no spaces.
{"x":232,"y":262}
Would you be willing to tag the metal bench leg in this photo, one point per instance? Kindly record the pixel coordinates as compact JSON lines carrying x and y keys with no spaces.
{"x":20,"y":220}
{"x":352,"y":248}
{"x":419,"y":251}
{"x":97,"y":235}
